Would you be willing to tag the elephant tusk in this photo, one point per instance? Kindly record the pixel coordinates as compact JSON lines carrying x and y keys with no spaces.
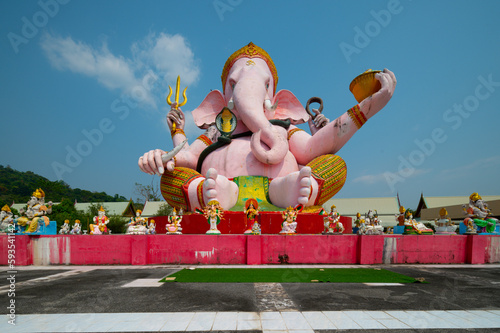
{"x":268,"y":106}
{"x":168,"y":156}
{"x":230,"y":104}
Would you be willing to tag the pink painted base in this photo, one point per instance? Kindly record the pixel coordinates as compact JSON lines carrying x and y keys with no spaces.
{"x":250,"y":249}
{"x":234,"y":223}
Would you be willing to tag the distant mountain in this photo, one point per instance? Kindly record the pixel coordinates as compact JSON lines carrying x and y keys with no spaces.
{"x":19,"y":186}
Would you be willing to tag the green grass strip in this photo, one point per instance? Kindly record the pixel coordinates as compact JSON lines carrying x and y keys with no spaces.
{"x":289,"y":275}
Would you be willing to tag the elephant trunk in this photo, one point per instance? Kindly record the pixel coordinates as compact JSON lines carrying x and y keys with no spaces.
{"x":269,"y":143}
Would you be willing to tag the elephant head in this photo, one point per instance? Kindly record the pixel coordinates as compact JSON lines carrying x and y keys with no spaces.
{"x":249,"y":80}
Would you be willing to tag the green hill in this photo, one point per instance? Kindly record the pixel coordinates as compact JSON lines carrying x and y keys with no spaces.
{"x":19,"y":186}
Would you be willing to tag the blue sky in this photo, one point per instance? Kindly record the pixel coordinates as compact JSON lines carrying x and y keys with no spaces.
{"x":89,"y":78}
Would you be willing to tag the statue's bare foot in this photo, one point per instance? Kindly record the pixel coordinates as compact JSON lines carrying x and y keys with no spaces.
{"x":293,"y":189}
{"x":217,"y":187}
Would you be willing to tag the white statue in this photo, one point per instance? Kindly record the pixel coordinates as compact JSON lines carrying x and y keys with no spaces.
{"x":64,"y":228}
{"x":6,"y":219}
{"x":413,"y":227}
{"x":152,"y":228}
{"x":444,"y":226}
{"x":77,"y":228}
{"x":372,"y":223}
{"x":289,"y":221}
{"x":138,"y":224}
{"x":478,"y":213}
{"x":35,"y":213}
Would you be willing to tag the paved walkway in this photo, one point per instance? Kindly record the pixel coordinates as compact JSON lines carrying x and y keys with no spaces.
{"x":272,"y":322}
{"x":130,"y":299}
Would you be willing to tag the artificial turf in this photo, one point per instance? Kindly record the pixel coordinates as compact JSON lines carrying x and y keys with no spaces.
{"x":288,"y":275}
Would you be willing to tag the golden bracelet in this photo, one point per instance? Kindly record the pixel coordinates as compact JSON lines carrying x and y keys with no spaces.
{"x":177,"y":131}
{"x":357,"y":116}
{"x":205,"y":139}
{"x":293,"y":131}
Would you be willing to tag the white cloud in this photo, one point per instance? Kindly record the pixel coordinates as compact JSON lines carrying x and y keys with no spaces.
{"x":169,"y":55}
{"x":161,"y":56}
{"x":382,"y":177}
{"x":470,"y":170}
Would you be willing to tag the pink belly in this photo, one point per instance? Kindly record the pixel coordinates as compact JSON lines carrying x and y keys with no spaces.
{"x":236,"y":159}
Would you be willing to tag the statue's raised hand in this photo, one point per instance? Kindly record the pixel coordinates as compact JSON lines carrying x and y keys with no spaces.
{"x":175,"y":116}
{"x":373,"y":104}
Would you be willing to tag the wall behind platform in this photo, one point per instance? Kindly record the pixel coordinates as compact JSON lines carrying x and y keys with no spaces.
{"x":252,"y":250}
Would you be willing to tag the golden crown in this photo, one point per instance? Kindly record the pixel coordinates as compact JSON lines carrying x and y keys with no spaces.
{"x":6,"y":208}
{"x":333,"y":206}
{"x":39,"y":193}
{"x":101,"y":209}
{"x":77,"y":221}
{"x":401,"y":209}
{"x":66,"y":221}
{"x":474,"y":197}
{"x":139,"y":211}
{"x":443,"y":212}
{"x":249,"y":51}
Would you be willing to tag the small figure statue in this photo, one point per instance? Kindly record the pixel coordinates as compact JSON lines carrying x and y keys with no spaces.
{"x":6,"y":219}
{"x":251,"y":211}
{"x":332,"y":222}
{"x":151,"y":228}
{"x":412,"y":227}
{"x":400,"y":218}
{"x":213,"y":212}
{"x":444,"y":226}
{"x":35,"y":214}
{"x":64,"y":228}
{"x":77,"y":228}
{"x":100,"y":223}
{"x":137,"y":224}
{"x":478,"y":212}
{"x":372,"y":224}
{"x":174,"y":223}
{"x":290,"y":220}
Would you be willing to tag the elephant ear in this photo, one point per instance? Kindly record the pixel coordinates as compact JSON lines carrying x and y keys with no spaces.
{"x":289,"y":107}
{"x":204,"y":115}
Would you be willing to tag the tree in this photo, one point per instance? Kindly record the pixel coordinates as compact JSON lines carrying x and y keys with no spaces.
{"x":149,"y":192}
{"x":164,"y":210}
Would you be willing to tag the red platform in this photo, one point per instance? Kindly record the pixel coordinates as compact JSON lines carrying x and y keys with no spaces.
{"x":234,"y":223}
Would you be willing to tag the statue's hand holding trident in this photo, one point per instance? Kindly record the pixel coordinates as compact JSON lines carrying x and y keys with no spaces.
{"x":153,"y":161}
{"x":175,"y":118}
{"x":175,"y":121}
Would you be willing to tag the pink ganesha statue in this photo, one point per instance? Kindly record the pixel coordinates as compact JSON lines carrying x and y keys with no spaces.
{"x":252,"y":147}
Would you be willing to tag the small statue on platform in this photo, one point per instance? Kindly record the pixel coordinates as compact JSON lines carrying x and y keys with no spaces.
{"x":251,"y":211}
{"x":477,"y":211}
{"x":174,"y":223}
{"x":6,"y":219}
{"x":213,"y":212}
{"x":372,"y":222}
{"x":360,"y":224}
{"x":444,"y":226}
{"x":151,"y":228}
{"x":332,"y":222}
{"x":413,"y":227}
{"x":100,"y":223}
{"x":137,"y":224}
{"x":35,"y":214}
{"x":289,"y":220}
{"x":64,"y":228}
{"x":77,"y":228}
{"x":400,"y":218}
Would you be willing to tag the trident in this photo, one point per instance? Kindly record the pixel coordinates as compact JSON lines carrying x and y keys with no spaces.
{"x":168,"y":156}
{"x":177,"y":90}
